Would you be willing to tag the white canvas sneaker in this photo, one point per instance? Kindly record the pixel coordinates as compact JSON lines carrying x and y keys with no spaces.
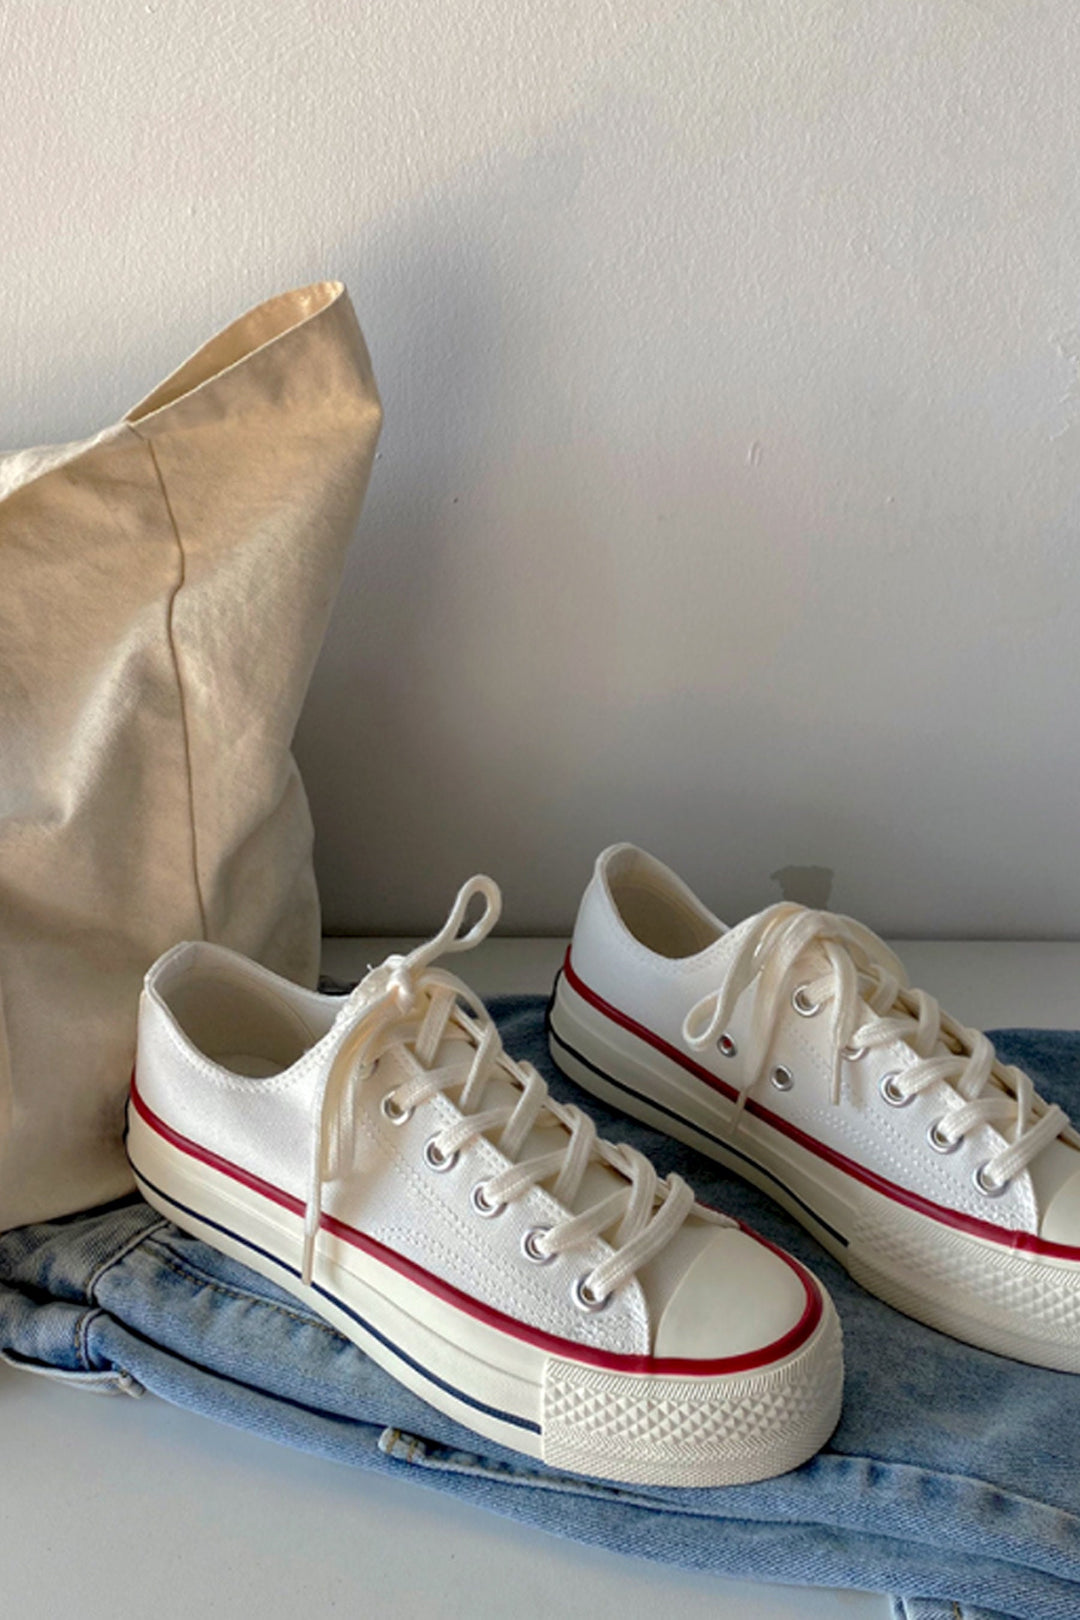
{"x":381,"y":1157}
{"x":791,"y":1049}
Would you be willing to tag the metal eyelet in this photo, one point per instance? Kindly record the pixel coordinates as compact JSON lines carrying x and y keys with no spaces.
{"x":726,"y":1046}
{"x":852,"y":1054}
{"x":479,"y":1201}
{"x":435,"y":1158}
{"x":393,"y":1112}
{"x":530,"y":1246}
{"x":889,"y":1089}
{"x":584,"y":1298}
{"x":939,"y":1141}
{"x":782,"y":1078}
{"x":802,"y":1003}
{"x":986,"y":1184}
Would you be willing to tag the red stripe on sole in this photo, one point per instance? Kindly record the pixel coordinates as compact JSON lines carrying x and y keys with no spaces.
{"x":566,"y":1349}
{"x":971,"y":1224}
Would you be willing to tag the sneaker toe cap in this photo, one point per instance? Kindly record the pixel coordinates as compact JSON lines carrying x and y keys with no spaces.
{"x":1061,"y":1221}
{"x":737,"y":1297}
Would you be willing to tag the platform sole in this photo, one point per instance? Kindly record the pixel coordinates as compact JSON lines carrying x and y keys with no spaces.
{"x":629,"y":1426}
{"x":984,"y":1293}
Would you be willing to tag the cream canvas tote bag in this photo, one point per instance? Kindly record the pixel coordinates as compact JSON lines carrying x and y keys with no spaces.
{"x":164,"y":588}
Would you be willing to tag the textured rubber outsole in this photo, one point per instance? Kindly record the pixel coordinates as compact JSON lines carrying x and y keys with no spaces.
{"x":690,"y":1433}
{"x":997,"y":1298}
{"x":628,"y":1427}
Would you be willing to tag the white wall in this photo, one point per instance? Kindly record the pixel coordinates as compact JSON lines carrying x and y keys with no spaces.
{"x":728,"y":498}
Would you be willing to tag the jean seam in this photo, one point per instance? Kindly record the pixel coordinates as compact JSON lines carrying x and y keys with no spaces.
{"x":121,"y":1254}
{"x":85,"y":1319}
{"x":82,"y":1326}
{"x":950,"y":1477}
{"x":430,"y":1456}
{"x":192,"y":1274}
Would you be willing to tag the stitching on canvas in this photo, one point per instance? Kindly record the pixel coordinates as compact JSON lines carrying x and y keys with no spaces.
{"x":175,"y":656}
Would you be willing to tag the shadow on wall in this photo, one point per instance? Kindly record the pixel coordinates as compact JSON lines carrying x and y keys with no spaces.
{"x":448,"y":609}
{"x":806,"y":885}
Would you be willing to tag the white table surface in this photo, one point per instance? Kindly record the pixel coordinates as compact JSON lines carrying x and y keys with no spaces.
{"x":115,"y":1509}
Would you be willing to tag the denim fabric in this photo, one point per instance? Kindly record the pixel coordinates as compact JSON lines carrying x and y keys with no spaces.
{"x":951,"y":1483}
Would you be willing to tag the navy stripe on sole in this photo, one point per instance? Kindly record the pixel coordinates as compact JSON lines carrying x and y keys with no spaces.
{"x":689,"y":1124}
{"x":395,"y":1350}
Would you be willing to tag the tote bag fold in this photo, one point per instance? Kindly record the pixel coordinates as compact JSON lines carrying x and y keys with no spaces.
{"x":164,"y":590}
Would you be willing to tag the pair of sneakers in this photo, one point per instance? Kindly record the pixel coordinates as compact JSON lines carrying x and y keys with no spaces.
{"x":383,"y":1158}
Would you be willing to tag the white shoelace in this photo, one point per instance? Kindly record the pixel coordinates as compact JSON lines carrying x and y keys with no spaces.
{"x":862,"y":969}
{"x":409,"y":1005}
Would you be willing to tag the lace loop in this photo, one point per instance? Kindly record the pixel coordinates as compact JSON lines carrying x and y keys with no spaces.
{"x":418,"y":1010}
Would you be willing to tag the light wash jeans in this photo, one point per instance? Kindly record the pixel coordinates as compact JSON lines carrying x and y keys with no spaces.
{"x":952,"y":1482}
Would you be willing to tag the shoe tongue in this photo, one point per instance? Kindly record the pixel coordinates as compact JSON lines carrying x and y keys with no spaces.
{"x":813,"y":963}
{"x":660,"y":1277}
{"x":548,"y":1135}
